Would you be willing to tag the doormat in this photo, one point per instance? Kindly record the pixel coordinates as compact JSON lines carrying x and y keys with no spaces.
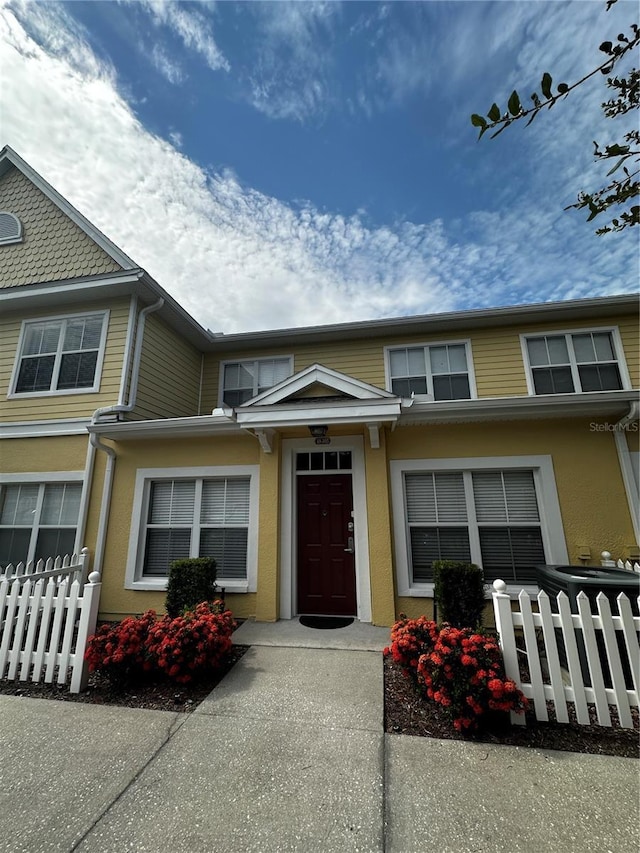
{"x":325,"y":622}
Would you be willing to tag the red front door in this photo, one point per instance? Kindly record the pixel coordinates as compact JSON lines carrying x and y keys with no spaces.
{"x":326,"y":563}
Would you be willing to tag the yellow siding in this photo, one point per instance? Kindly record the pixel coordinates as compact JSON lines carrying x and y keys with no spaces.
{"x":115,"y":600}
{"x":64,"y":405}
{"x":53,"y":247}
{"x":169,"y":383}
{"x":497,"y":356}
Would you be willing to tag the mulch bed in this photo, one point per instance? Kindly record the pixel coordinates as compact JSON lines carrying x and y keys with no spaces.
{"x":408,"y":713}
{"x":151,"y":695}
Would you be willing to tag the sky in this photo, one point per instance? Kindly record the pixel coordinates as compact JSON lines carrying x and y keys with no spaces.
{"x":281,"y":164}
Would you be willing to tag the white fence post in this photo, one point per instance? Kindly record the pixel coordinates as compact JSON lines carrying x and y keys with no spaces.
{"x":507,"y":638}
{"x":88,"y":619}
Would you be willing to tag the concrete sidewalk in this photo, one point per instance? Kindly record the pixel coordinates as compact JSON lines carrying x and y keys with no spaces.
{"x":289,"y":754}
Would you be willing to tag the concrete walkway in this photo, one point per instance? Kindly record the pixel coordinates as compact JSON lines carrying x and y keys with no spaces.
{"x":289,"y":754}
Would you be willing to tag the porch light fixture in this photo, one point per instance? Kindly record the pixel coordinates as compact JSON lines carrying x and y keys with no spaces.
{"x":318,"y":431}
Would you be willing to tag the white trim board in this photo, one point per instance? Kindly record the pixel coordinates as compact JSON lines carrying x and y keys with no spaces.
{"x":288,"y":523}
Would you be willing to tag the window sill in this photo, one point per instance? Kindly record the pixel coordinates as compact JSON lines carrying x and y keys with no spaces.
{"x":426,"y":591}
{"x":160,"y":585}
{"x":20,"y":395}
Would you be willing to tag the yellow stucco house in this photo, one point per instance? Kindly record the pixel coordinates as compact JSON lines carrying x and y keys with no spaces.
{"x":324,"y":468}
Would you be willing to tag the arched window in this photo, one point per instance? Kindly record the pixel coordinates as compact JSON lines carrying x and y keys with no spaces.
{"x":10,"y":228}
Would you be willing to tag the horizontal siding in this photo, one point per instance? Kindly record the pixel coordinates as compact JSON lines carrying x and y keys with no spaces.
{"x":65,"y":405}
{"x":497,"y":356}
{"x":169,"y":382}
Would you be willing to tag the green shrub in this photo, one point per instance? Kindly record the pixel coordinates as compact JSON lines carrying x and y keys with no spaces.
{"x":458,"y":593}
{"x":190,"y":582}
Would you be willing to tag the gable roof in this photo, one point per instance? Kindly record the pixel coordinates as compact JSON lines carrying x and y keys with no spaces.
{"x":317,"y":374}
{"x":9,"y":158}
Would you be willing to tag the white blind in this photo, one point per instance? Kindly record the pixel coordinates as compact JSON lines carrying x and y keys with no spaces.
{"x":61,"y":504}
{"x":228,"y":546}
{"x":435,"y":498}
{"x":225,"y":501}
{"x":172,"y":502}
{"x":19,"y":504}
{"x":505,"y":497}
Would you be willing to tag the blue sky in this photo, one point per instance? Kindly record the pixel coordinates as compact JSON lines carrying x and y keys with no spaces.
{"x":279,"y":164}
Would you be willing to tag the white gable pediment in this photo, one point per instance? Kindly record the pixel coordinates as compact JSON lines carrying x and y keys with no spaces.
{"x":321,"y":381}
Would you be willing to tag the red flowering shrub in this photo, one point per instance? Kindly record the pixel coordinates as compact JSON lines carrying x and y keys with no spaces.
{"x":120,"y":651}
{"x":197,"y":642}
{"x":464,"y":673}
{"x":180,"y":648}
{"x":411,"y":638}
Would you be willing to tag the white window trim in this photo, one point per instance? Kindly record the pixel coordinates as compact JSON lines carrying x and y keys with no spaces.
{"x":555,"y":546}
{"x":45,"y":478}
{"x":223,"y":364}
{"x":289,"y":522}
{"x":618,"y":351}
{"x":13,"y":238}
{"x":429,"y":396}
{"x":144,"y":476}
{"x":65,"y":391}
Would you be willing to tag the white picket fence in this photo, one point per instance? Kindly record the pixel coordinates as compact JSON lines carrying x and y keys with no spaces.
{"x":46,"y":618}
{"x":66,"y":568}
{"x":557,"y":672}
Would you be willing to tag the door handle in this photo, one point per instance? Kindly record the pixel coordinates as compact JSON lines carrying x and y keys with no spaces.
{"x":350,"y":549}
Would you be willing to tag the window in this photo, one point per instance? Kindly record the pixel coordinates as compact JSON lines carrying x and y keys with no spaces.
{"x":570,"y":362}
{"x":243,"y":380}
{"x":488,"y":517}
{"x":61,"y":355}
{"x":38,"y":520}
{"x":10,"y":228}
{"x":439,"y":370}
{"x":501,"y":513}
{"x":194,"y":512}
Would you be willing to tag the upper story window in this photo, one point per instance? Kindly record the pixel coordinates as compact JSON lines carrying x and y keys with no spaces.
{"x":440,"y":371}
{"x":10,"y":228}
{"x":243,"y":380}
{"x":574,"y":361}
{"x":61,"y":354}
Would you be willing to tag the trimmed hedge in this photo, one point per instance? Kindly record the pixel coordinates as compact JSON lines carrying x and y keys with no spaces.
{"x":190,"y":582}
{"x":458,"y":593}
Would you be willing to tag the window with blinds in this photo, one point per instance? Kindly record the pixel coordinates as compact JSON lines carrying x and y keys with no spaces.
{"x":243,"y":380}
{"x":38,"y":520}
{"x":440,"y":371}
{"x":198,"y":518}
{"x":487,"y":517}
{"x":60,"y":355}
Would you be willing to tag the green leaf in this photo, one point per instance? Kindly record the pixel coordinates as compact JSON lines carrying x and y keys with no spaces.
{"x":545,"y":84}
{"x":479,"y":121}
{"x":562,"y":88}
{"x":514,"y":104}
{"x":494,"y":113}
{"x":617,"y":166}
{"x":606,"y":46}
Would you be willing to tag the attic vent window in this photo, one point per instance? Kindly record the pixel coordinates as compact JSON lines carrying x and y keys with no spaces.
{"x":10,"y":228}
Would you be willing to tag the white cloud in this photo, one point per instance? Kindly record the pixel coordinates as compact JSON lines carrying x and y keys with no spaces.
{"x":193,"y":28}
{"x":169,"y":68}
{"x":238,"y":259}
